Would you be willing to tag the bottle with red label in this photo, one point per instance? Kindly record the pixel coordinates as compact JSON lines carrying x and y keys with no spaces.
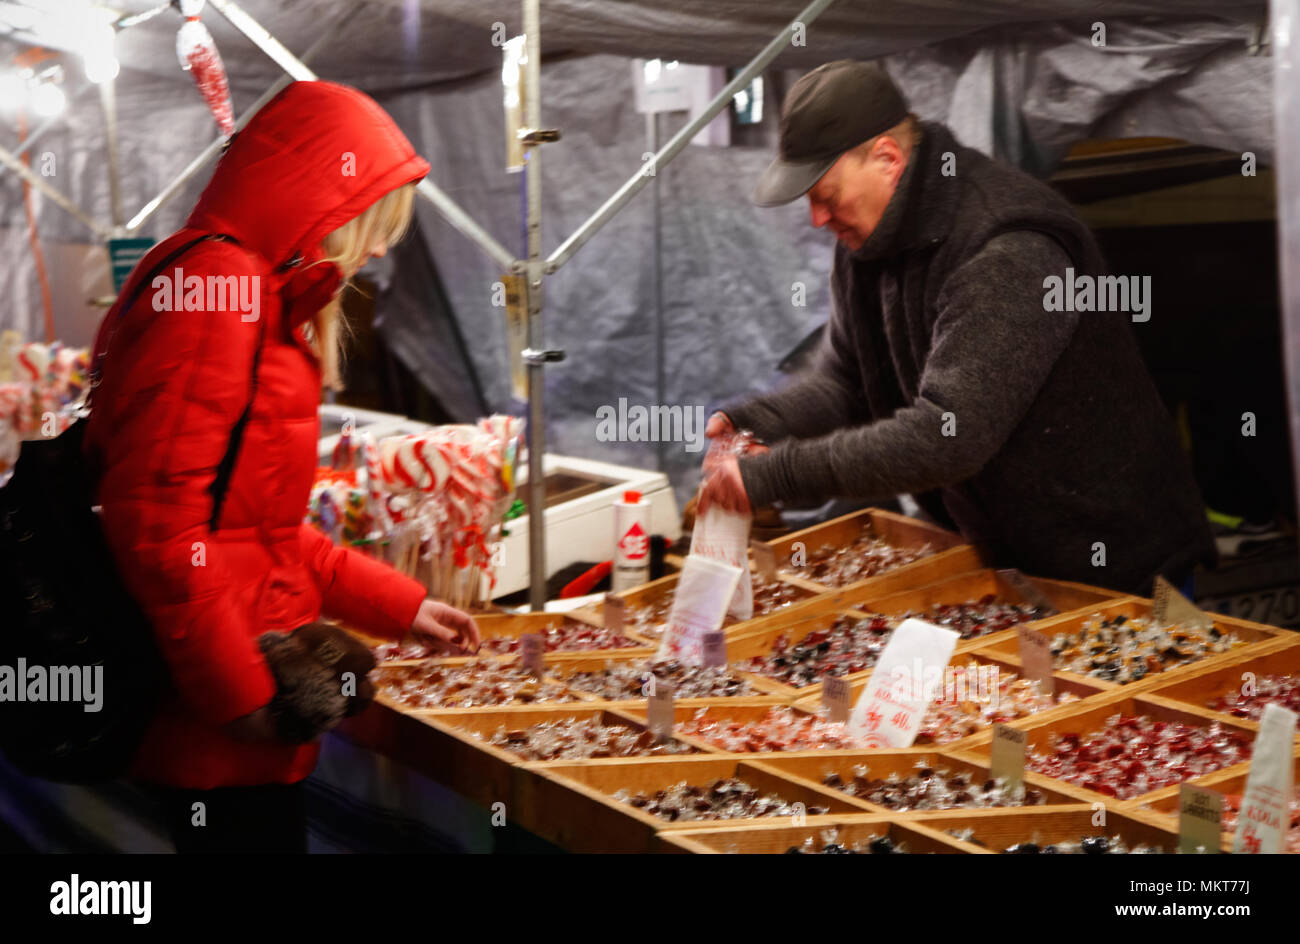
{"x":631,"y":541}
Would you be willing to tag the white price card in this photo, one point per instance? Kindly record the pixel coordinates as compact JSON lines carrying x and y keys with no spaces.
{"x":1266,"y":804}
{"x":906,"y":679}
{"x":704,"y":592}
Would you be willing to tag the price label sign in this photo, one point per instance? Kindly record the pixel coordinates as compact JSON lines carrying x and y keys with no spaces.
{"x":615,"y":613}
{"x":1008,"y":762}
{"x":1200,"y":819}
{"x":836,"y":698}
{"x":764,"y":560}
{"x":907,"y":677}
{"x":1170,"y":606}
{"x":1265,"y":813}
{"x":714,"y":643}
{"x":1036,"y":658}
{"x":531,"y":649}
{"x":660,"y":711}
{"x":1025,"y":588}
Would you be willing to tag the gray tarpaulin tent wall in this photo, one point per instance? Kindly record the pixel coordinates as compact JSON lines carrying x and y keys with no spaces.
{"x":1021,"y":80}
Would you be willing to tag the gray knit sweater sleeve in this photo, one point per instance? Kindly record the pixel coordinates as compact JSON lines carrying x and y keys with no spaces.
{"x":993,"y":346}
{"x":824,"y":396}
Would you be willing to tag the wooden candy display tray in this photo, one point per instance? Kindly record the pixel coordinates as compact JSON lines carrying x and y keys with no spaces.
{"x":512,"y":625}
{"x":661,"y":591}
{"x":1006,"y":645}
{"x":951,"y":553}
{"x":1082,"y":689}
{"x":767,"y":839}
{"x":1162,"y":806}
{"x":961,"y":588}
{"x":973,"y":585}
{"x":1201,"y":684}
{"x":810,"y":767}
{"x":563,"y":665}
{"x":999,"y":829}
{"x":1092,"y":715}
{"x":574,"y":803}
{"x":442,"y":745}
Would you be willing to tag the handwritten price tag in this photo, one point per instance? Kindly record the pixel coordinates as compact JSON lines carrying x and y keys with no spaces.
{"x":660,"y":711}
{"x":1036,"y":658}
{"x":1025,"y":588}
{"x":714,"y":643}
{"x":836,"y":698}
{"x":615,"y":613}
{"x":1170,"y":606}
{"x":1008,"y":755}
{"x":531,"y":649}
{"x":1200,"y":819}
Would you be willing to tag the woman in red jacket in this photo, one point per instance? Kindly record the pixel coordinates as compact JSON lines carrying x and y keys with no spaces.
{"x":318,"y":181}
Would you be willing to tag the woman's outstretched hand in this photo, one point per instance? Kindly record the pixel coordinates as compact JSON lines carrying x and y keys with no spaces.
{"x":445,"y":629}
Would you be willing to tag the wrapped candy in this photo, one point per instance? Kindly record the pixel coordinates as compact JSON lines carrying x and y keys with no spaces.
{"x":866,"y":557}
{"x":1134,"y":755}
{"x":731,"y":798}
{"x":1281,"y":690}
{"x":198,"y":55}
{"x":932,"y":788}
{"x":623,"y":680}
{"x":1127,"y":649}
{"x":780,"y":729}
{"x":581,"y":738}
{"x":472,"y":684}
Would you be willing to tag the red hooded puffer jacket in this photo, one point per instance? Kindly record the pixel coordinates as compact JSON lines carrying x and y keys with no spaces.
{"x":174,"y":384}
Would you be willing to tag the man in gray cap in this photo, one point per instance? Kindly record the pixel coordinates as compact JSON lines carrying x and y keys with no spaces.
{"x":943,"y":371}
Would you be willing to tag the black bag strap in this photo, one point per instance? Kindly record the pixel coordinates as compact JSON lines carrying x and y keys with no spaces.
{"x":221,"y":483}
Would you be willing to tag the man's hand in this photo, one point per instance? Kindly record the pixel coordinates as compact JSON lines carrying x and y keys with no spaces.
{"x":724,"y":487}
{"x":719,"y":424}
{"x":445,"y":629}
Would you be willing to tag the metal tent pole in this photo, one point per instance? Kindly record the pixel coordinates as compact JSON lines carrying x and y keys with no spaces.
{"x":297,"y":69}
{"x":652,"y":143}
{"x":108,"y":100}
{"x":534,"y":356}
{"x":36,"y":180}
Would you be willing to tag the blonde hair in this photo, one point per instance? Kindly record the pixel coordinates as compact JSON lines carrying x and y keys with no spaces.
{"x":348,"y":247}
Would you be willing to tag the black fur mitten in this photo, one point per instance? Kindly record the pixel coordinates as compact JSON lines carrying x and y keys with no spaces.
{"x":308,"y":700}
{"x":349,"y":660}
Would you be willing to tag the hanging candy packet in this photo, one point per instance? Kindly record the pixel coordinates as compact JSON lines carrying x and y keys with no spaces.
{"x":723,"y":536}
{"x":699,"y":607}
{"x":198,"y":55}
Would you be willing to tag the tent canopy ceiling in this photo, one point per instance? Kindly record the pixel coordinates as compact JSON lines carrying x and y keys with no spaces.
{"x":402,"y":44}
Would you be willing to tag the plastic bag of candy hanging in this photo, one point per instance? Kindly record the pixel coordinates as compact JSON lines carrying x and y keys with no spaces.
{"x":724,"y":535}
{"x":198,"y":55}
